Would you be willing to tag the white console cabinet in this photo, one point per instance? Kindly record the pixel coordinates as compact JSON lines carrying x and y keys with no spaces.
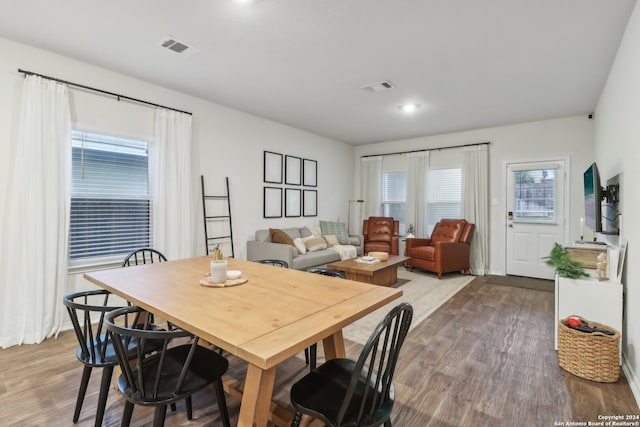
{"x":594,"y":300}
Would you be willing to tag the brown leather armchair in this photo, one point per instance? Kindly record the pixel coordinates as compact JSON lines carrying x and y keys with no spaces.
{"x":447,"y":250}
{"x":380,"y":234}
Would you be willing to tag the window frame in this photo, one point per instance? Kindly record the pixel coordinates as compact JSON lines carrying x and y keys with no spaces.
{"x":85,"y":263}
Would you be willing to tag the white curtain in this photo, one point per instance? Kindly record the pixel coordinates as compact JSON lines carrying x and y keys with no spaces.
{"x":35,"y":223}
{"x":475,"y":195}
{"x":417,"y":168}
{"x":371,"y":185}
{"x":171,"y":185}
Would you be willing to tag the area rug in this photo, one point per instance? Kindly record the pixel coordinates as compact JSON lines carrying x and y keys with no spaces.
{"x":422,"y":290}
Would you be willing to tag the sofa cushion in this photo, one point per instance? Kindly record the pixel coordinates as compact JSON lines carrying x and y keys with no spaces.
{"x":314,"y":259}
{"x":380,"y":229}
{"x":338,"y":229}
{"x":279,"y":236}
{"x":424,"y":252}
{"x":448,"y":230}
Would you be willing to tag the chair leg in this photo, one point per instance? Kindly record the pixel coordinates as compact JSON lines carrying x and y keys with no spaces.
{"x":84,"y":382}
{"x":159,"y":415}
{"x":296,"y":419}
{"x":126,"y":414}
{"x":189,"y":406}
{"x":313,"y":356}
{"x":107,"y":373}
{"x":222,"y":403}
{"x":306,"y":356}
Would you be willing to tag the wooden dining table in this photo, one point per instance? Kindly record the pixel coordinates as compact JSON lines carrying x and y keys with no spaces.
{"x":275,"y":315}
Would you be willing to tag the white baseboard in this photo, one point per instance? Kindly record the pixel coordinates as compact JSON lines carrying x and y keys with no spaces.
{"x":632,"y":379}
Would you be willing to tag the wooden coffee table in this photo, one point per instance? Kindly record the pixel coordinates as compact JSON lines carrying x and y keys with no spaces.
{"x":384,"y":273}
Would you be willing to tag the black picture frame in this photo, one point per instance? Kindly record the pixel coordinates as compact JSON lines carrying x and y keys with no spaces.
{"x":309,"y":203}
{"x":272,"y":167}
{"x":293,"y":170}
{"x":272,"y":202}
{"x":309,"y":173}
{"x":292,"y":202}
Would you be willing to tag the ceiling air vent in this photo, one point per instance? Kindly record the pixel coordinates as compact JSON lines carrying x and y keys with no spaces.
{"x":177,"y":46}
{"x":378,"y":87}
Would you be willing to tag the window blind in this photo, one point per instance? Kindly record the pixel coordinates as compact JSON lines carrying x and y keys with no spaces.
{"x":110,"y":199}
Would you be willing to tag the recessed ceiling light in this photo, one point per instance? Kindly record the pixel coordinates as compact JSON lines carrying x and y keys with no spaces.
{"x":409,"y":108}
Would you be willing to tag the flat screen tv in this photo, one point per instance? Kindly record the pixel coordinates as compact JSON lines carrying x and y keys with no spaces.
{"x":592,"y":199}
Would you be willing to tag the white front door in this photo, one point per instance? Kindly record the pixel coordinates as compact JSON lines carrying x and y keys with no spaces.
{"x":535,"y":216}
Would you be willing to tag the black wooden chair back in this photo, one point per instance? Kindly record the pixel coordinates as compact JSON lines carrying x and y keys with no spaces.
{"x":274,"y":262}
{"x":172,"y":373}
{"x":95,"y":348}
{"x":327,"y":272}
{"x":143,"y":256}
{"x":358,"y":393}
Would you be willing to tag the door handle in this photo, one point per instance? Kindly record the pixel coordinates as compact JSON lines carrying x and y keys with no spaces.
{"x":510,"y":225}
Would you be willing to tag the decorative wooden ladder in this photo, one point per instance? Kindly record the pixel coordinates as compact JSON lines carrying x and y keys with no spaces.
{"x":215,"y":218}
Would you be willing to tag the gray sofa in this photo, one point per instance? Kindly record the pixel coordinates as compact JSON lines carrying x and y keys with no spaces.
{"x":263,"y":248}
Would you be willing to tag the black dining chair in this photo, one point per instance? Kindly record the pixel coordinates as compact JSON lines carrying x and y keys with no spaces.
{"x":143,"y":256}
{"x":172,"y":373}
{"x":327,"y":272}
{"x":274,"y":262}
{"x":356,"y":393}
{"x":95,"y":349}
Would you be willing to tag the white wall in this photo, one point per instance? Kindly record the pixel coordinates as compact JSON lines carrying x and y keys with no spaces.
{"x":617,"y":134}
{"x":227,"y":143}
{"x":570,"y":137}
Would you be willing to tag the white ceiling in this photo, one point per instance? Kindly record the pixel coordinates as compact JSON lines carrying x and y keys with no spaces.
{"x":469,"y":63}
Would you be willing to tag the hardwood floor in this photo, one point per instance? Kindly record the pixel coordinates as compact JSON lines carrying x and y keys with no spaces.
{"x":485,"y":358}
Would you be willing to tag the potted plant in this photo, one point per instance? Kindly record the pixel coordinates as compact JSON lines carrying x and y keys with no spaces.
{"x":559,"y":259}
{"x":410,"y":231}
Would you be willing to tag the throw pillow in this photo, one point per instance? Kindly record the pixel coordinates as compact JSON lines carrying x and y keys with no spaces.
{"x":338,"y":229}
{"x":279,"y":236}
{"x":299,"y":244}
{"x":315,"y":230}
{"x":305,"y":232}
{"x":331,"y":240}
{"x":315,"y":244}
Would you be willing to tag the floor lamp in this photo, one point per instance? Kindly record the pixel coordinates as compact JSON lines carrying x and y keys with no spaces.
{"x":349,"y":213}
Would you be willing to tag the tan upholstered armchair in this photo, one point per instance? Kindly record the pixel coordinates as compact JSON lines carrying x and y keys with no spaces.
{"x":380,"y":235}
{"x":447,"y":250}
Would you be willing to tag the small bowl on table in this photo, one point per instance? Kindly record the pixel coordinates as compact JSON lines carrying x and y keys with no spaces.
{"x":233,"y":274}
{"x":382,"y":256}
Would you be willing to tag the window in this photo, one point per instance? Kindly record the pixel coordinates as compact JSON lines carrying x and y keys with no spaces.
{"x":110,"y":199}
{"x":394,"y":197}
{"x":444,"y":196}
{"x":535,"y":195}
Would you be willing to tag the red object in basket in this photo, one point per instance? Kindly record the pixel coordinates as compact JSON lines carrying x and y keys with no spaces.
{"x":574,"y":322}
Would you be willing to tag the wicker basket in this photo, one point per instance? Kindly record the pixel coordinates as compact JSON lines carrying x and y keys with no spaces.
{"x":594,"y":356}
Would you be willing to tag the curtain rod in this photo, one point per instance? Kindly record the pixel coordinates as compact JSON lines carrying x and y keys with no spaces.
{"x":93,"y":89}
{"x":427,"y":149}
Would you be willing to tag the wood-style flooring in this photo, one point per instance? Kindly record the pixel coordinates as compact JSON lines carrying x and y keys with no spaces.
{"x":485,"y":358}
